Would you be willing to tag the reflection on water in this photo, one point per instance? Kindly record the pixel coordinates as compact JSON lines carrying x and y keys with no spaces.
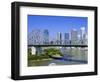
{"x":76,"y":53}
{"x":72,"y":53}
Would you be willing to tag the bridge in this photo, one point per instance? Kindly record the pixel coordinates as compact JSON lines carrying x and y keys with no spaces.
{"x":57,"y":45}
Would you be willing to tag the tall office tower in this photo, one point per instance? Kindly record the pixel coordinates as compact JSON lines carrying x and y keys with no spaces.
{"x":74,"y":36}
{"x":66,"y":38}
{"x":59,"y":38}
{"x":35,"y":37}
{"x":79,"y":39}
{"x":86,"y":42}
{"x":85,"y":39}
{"x":46,"y":37}
{"x":82,"y":35}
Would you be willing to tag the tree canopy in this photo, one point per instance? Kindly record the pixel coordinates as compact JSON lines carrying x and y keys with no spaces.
{"x":52,"y":51}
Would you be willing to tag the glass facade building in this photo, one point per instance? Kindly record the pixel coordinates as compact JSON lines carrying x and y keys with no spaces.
{"x":59,"y":38}
{"x":74,"y":37}
{"x":66,"y":38}
{"x":46,"y":37}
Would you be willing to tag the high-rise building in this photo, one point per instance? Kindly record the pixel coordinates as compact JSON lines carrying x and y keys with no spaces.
{"x":59,"y":38}
{"x":82,"y":34}
{"x":46,"y":37}
{"x":79,"y":39}
{"x":74,"y":36}
{"x":66,"y":38}
{"x":85,"y":39}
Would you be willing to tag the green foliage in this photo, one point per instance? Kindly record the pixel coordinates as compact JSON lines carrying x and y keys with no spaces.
{"x":29,"y":51}
{"x":45,"y":55}
{"x":37,"y":57}
{"x":52,"y":51}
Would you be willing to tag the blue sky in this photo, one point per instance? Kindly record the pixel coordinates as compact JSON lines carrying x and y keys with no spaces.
{"x":56,"y":24}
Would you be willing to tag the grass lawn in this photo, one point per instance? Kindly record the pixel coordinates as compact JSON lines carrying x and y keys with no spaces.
{"x":38,"y":62}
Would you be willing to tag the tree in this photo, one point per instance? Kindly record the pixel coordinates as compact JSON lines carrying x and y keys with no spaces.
{"x":52,"y":51}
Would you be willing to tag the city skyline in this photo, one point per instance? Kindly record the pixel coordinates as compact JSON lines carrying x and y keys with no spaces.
{"x":56,"y":24}
{"x":42,"y":37}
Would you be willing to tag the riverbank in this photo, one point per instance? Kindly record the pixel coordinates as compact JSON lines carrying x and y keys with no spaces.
{"x":38,"y":62}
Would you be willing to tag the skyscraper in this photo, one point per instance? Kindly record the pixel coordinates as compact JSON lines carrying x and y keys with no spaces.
{"x":85,"y":39}
{"x":45,"y":36}
{"x":66,"y":38}
{"x":74,"y":36}
{"x":59,"y":38}
{"x":79,"y":39}
{"x":82,"y":35}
